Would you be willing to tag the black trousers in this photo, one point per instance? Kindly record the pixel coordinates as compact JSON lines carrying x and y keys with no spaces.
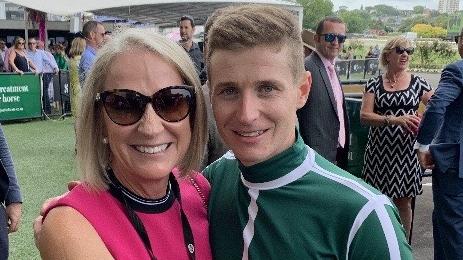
{"x":342,"y":158}
{"x":3,"y":233}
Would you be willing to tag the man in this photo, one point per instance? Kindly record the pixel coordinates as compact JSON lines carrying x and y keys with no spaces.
{"x":42,"y":61}
{"x":95,"y":35}
{"x":49,"y":69}
{"x":10,"y":197}
{"x":2,"y":54}
{"x":187,"y":29}
{"x":440,"y":147}
{"x":323,"y":120}
{"x":274,"y":197}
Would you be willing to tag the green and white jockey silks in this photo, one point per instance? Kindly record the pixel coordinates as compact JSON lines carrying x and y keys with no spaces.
{"x":297,"y":205}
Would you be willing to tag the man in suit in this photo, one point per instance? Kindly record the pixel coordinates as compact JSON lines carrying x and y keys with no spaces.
{"x":440,"y":147}
{"x":10,"y":197}
{"x":323,"y":121}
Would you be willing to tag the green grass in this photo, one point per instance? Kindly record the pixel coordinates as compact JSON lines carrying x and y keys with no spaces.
{"x":43,"y":155}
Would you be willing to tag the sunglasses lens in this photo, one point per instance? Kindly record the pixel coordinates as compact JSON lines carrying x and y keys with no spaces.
{"x":330,"y":37}
{"x":410,"y":51}
{"x":124,"y":108}
{"x":341,"y":38}
{"x":456,"y":39}
{"x":173,"y":104}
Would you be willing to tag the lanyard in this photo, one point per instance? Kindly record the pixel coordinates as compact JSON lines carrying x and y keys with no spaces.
{"x":138,"y":224}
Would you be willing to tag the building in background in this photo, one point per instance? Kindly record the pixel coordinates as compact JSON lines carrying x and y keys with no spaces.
{"x":448,"y":6}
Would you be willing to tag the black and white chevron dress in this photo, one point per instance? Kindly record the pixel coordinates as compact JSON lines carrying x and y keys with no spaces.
{"x":390,"y":163}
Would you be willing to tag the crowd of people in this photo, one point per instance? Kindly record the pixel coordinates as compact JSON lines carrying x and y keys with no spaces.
{"x":269,"y":120}
{"x":58,"y":57}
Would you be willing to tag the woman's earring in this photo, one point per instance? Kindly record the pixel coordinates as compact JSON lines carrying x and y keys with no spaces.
{"x":105,"y":140}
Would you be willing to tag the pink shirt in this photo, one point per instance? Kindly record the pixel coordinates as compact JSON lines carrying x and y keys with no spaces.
{"x":338,"y":96}
{"x":106,"y":214}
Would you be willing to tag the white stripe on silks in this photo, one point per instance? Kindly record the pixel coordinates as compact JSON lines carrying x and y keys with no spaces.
{"x":298,"y":172}
{"x":366,"y":210}
{"x":248,"y":232}
{"x":389,"y":232}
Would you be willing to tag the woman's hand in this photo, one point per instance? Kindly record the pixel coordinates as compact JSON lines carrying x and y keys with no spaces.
{"x":20,"y":72}
{"x":409,"y":122}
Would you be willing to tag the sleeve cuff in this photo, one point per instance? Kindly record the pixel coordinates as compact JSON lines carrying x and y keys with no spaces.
{"x":421,"y":147}
{"x":13,"y":196}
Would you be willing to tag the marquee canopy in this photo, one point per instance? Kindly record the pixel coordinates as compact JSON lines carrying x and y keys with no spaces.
{"x":158,"y":12}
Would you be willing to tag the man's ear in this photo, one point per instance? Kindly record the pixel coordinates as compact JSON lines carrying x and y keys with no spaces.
{"x":304,"y":89}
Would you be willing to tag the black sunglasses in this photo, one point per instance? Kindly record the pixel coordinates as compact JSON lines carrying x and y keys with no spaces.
{"x":126,"y":107}
{"x":330,"y":37}
{"x":457,"y":38}
{"x":401,"y":50}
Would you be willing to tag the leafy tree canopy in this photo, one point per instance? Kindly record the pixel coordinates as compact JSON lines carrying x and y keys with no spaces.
{"x":314,"y":11}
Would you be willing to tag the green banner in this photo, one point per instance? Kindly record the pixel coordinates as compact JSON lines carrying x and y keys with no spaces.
{"x":19,"y":96}
{"x":358,"y":137}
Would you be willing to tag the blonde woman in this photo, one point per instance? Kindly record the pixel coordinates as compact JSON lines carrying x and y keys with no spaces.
{"x":18,"y":60}
{"x":142,"y":135}
{"x":389,"y":107}
{"x":75,"y":53}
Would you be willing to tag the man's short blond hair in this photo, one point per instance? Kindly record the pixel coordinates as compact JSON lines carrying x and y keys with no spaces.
{"x":92,"y":154}
{"x":249,"y":26}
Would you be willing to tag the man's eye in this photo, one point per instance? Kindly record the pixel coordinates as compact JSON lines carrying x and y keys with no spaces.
{"x":266,"y":89}
{"x":228,"y":91}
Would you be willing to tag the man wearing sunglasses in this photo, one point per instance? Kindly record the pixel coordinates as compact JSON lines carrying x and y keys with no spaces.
{"x":439,"y":144}
{"x":323,"y":120}
{"x":273,"y":197}
{"x":95,"y":35}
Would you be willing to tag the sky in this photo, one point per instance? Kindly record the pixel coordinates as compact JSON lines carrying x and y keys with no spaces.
{"x":399,"y":4}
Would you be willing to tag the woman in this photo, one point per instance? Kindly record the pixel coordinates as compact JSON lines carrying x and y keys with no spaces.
{"x":18,"y":60}
{"x":60,"y":57}
{"x":144,"y":116}
{"x":389,"y":107}
{"x":77,"y":48}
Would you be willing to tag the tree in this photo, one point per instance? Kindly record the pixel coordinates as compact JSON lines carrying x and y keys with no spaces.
{"x":386,"y":10}
{"x":442,"y":20}
{"x":357,"y":21}
{"x":429,"y":31}
{"x":314,"y":11}
{"x":407,"y":24}
{"x":418,"y":9}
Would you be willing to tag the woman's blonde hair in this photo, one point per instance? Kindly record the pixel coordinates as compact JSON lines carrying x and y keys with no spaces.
{"x":77,"y":47}
{"x":92,"y":154}
{"x":398,"y":41}
{"x":17,"y":40}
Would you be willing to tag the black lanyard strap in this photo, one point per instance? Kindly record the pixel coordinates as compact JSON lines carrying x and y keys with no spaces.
{"x":140,"y":228}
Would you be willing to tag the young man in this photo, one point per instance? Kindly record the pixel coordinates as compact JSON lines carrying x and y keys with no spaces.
{"x":187,"y":29}
{"x":274,"y":197}
{"x":323,"y":120}
{"x":442,"y":125}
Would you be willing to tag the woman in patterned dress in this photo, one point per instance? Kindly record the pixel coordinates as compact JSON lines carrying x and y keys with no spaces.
{"x":389,"y":107}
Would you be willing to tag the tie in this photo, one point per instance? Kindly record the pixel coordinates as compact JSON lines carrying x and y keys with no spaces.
{"x":338,"y":96}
